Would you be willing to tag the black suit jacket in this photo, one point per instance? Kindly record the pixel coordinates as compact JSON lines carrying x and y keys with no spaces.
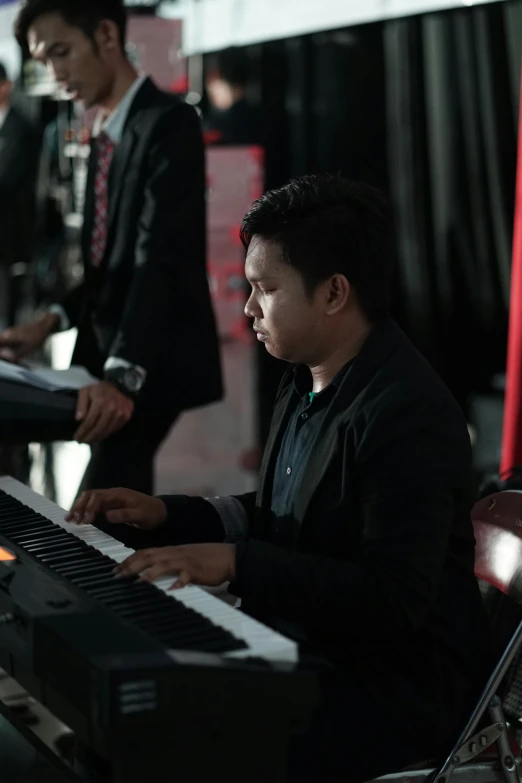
{"x":149,"y":302}
{"x":19,"y":152}
{"x":381,"y":579}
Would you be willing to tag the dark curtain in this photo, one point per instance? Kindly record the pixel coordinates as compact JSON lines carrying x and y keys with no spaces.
{"x":323,"y":100}
{"x":452,"y":83}
{"x":426,"y":108}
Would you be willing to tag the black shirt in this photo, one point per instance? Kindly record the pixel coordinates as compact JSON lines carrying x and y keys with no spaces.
{"x":302,"y":431}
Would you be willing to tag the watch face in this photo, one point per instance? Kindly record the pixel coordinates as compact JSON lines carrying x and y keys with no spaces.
{"x":133,"y":381}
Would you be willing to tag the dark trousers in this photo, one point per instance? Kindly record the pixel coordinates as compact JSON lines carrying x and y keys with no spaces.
{"x":351,"y":738}
{"x":126,"y":459}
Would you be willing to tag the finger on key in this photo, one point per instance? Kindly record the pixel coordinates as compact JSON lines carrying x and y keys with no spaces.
{"x":78,"y":508}
{"x":94,"y":506}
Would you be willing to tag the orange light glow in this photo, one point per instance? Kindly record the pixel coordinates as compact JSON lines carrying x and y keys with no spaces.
{"x":6,"y":555}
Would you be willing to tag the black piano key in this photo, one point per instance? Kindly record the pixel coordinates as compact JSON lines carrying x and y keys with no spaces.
{"x":52,"y":548}
{"x":7,"y":520}
{"x":70,"y":571}
{"x":169,"y":614}
{"x":172,"y":613}
{"x":20,"y":508}
{"x":36,"y":539}
{"x":91,"y":572}
{"x":118,"y":586}
{"x":87,"y":581}
{"x":20,"y":511}
{"x":134,"y":603}
{"x":109,"y":584}
{"x":166,"y":624}
{"x":170,"y":633}
{"x":42,"y":535}
{"x":16,"y":528}
{"x":15,"y":507}
{"x":70,"y":557}
{"x":58,"y":544}
{"x":21,"y":522}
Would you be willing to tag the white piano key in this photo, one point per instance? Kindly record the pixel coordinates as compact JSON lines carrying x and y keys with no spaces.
{"x":261,"y":641}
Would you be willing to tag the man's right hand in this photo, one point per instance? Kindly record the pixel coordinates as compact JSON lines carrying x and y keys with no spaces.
{"x":120,"y":506}
{"x":20,"y":341}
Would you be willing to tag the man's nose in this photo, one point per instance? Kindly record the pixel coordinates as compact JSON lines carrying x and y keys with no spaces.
{"x":252,"y":309}
{"x":59,"y":74}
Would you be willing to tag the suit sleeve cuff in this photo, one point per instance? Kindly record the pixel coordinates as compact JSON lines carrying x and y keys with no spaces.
{"x":58,"y":310}
{"x":233,"y":517}
{"x":190,"y":520}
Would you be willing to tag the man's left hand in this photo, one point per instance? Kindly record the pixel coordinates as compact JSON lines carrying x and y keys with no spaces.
{"x":102,"y":410}
{"x":199,"y":564}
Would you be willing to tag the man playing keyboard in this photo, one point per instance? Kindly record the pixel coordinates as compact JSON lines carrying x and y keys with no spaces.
{"x":358,"y":543}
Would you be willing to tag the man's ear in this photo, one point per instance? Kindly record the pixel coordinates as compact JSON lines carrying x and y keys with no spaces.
{"x":107,"y":36}
{"x":337,"y":294}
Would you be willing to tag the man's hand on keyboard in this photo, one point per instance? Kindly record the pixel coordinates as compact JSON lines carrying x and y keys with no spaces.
{"x":200,"y":564}
{"x":120,"y":506}
{"x":102,"y":410}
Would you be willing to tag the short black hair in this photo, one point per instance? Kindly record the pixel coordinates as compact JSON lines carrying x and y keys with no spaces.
{"x":232,"y":65}
{"x":3,"y":73}
{"x":328,"y":225}
{"x":84,"y":14}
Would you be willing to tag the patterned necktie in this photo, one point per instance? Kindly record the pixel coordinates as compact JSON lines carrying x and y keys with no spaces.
{"x":105,"y":150}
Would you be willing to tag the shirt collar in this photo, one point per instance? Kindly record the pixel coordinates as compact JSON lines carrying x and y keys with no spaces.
{"x":303,"y":379}
{"x":114,"y":124}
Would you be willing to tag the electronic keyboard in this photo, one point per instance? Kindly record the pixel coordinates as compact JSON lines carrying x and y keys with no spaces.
{"x":83,"y":552}
{"x":124,"y":662}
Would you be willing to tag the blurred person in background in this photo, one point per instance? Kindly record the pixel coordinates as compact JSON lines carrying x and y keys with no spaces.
{"x":19,"y":150}
{"x":144,"y":315}
{"x":232,"y":119}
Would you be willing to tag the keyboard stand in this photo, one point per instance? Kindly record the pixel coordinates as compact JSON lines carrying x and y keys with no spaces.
{"x":24,"y":758}
{"x":234,"y":754}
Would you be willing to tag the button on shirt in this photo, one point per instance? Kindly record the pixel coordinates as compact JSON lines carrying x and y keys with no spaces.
{"x":297,"y":444}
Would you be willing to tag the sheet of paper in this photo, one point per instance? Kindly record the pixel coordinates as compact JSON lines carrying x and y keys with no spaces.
{"x":73,"y":379}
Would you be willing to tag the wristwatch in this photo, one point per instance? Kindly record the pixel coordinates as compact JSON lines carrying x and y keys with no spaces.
{"x":129,"y":380}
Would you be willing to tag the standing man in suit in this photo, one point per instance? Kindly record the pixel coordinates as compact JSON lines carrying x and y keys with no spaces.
{"x":359,"y":543}
{"x":144,"y":315}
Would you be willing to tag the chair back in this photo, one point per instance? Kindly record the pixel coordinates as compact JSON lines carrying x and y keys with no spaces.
{"x":497,"y":522}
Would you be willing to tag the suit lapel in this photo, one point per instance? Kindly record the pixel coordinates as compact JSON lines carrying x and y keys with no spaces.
{"x":88,"y":207}
{"x":378,"y":347}
{"x":123,"y":155}
{"x":120,"y":163}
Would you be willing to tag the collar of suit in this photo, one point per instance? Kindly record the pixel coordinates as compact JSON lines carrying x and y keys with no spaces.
{"x":378,"y":347}
{"x":114,"y":124}
{"x":128,"y":117}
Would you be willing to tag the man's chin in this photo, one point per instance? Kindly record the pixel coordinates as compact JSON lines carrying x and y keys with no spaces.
{"x":272,"y":350}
